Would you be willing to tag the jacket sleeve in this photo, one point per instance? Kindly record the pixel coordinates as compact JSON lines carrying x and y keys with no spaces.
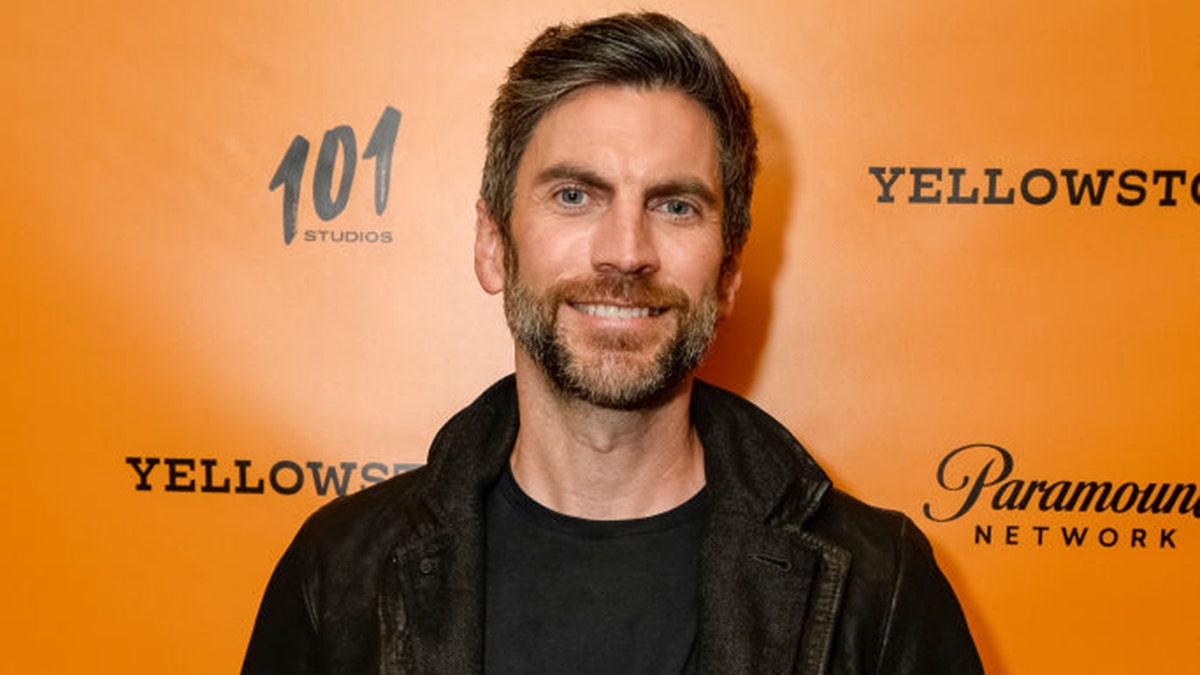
{"x":284,"y":639}
{"x":925,"y":631}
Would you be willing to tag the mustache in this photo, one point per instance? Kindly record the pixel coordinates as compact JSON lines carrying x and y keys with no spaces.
{"x":632,"y":290}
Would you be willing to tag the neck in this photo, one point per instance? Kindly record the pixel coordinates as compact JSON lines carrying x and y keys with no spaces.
{"x":602,"y":464}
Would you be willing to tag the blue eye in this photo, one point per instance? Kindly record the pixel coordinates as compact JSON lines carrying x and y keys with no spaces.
{"x":572,"y":196}
{"x":678,"y":208}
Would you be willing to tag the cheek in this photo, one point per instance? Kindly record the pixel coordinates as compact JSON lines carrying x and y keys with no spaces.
{"x":699,"y":262}
{"x":546,"y":256}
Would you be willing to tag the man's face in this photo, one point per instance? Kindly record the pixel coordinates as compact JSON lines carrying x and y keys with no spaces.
{"x":613,"y":285}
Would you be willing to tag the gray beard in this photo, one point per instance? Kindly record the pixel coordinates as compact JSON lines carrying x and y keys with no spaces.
{"x":610,"y":383}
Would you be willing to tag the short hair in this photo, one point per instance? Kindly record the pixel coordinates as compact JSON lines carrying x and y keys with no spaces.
{"x":643,"y":50}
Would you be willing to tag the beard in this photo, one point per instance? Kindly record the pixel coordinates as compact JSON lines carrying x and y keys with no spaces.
{"x":613,"y":372}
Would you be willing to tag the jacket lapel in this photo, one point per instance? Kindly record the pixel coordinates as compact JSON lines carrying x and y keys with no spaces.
{"x":431,"y":603}
{"x":431,"y":609}
{"x":768,"y":599}
{"x":769,"y":591}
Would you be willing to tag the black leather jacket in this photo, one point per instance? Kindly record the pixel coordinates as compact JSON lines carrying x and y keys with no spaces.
{"x":796,"y":577}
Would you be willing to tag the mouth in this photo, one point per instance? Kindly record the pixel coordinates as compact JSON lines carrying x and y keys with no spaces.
{"x":606,"y":311}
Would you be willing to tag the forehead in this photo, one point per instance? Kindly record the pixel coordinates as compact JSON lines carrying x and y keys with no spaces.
{"x":626,"y":132}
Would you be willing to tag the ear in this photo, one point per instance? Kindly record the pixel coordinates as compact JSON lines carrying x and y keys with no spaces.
{"x":489,"y":250}
{"x":731,"y":281}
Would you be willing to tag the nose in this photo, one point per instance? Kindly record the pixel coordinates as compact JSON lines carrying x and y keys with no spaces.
{"x":623,"y":242}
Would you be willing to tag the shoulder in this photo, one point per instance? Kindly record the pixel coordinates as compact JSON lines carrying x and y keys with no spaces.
{"x":466,"y":456}
{"x":352,"y":526}
{"x":899,"y":612}
{"x":864,"y":530}
{"x":322,"y":591}
{"x":886,"y":547}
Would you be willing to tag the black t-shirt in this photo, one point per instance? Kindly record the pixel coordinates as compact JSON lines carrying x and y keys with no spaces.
{"x":569,"y":595}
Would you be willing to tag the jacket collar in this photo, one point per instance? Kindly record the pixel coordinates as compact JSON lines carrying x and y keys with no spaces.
{"x":754,"y":467}
{"x":769,"y":590}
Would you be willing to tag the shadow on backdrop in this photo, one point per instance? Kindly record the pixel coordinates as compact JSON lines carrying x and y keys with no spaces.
{"x":736,"y":356}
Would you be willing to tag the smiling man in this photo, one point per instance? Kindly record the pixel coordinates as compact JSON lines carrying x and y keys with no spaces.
{"x":600,"y":511}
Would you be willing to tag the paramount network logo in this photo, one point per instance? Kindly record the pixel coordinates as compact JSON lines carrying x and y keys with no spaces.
{"x":981,"y":477}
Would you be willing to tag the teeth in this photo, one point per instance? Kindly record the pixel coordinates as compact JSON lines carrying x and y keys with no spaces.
{"x":614,"y":312}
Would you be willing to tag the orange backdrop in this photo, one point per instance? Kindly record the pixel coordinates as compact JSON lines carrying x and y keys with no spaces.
{"x":182,"y":385}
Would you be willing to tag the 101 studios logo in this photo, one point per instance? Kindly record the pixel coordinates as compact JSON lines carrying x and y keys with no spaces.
{"x":341,"y":143}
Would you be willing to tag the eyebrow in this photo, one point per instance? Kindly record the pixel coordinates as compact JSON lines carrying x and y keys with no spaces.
{"x":668,"y":188}
{"x":575,"y":174}
{"x":685,"y":186}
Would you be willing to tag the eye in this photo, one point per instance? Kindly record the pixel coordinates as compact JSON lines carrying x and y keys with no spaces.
{"x":572,"y":196}
{"x":677,"y":208}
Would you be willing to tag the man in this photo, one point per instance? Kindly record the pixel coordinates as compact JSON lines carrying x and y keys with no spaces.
{"x":600,"y":511}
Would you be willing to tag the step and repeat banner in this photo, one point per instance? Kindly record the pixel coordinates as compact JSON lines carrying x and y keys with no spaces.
{"x":237,"y":282}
